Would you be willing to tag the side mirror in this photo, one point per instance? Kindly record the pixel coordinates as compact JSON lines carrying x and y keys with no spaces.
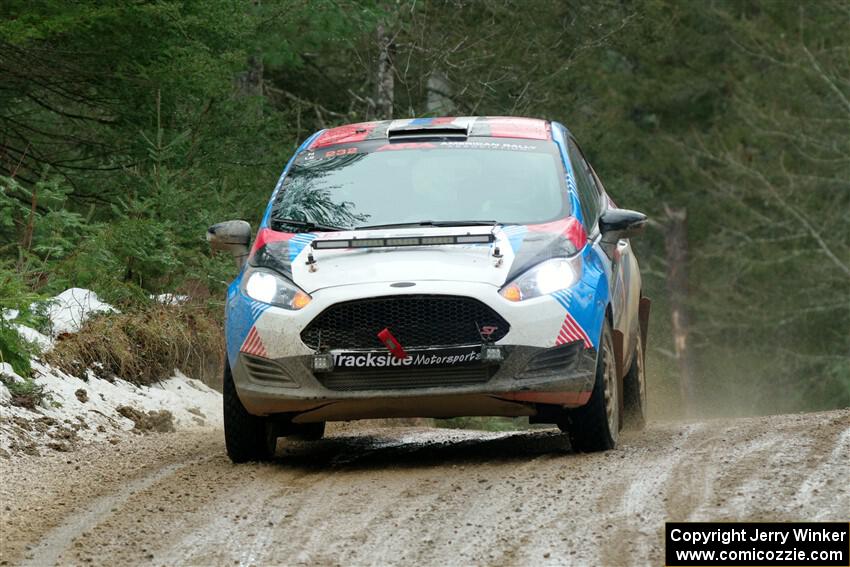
{"x":231,"y":236}
{"x":615,"y":224}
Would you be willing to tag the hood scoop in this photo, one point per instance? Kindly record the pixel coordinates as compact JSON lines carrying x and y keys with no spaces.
{"x":425,"y":132}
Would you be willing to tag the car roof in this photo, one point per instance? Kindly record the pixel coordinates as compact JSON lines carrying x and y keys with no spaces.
{"x":475,"y":126}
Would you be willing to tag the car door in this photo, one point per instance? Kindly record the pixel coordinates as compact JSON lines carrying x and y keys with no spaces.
{"x":597,"y":264}
{"x":619,"y":261}
{"x":625,"y":275}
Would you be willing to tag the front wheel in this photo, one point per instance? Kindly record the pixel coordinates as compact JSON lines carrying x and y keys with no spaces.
{"x":596,"y":425}
{"x":247,"y":437}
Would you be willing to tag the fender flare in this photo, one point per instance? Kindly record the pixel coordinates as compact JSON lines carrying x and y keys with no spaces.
{"x":644,"y":307}
{"x":617,"y":339}
{"x":619,"y":355}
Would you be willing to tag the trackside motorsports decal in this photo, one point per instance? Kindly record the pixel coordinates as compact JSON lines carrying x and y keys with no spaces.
{"x":426,"y":358}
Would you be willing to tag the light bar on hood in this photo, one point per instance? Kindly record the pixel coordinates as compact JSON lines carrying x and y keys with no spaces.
{"x":451,"y":239}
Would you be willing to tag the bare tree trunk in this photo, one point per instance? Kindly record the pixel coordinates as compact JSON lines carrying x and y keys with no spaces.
{"x":676,"y":244}
{"x":250,"y":81}
{"x":438,"y":91}
{"x":26,"y":241}
{"x":385,"y":79}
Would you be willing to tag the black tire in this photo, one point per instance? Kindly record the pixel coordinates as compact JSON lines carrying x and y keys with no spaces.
{"x":595,"y":425}
{"x":309,"y":431}
{"x":247,"y":437}
{"x":634,"y":391}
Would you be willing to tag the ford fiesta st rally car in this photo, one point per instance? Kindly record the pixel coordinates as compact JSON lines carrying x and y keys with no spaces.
{"x":434,"y":267}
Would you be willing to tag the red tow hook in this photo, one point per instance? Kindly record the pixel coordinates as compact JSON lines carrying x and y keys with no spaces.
{"x":392,"y":344}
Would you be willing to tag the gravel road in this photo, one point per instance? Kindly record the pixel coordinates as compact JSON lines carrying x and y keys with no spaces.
{"x":418,"y":496}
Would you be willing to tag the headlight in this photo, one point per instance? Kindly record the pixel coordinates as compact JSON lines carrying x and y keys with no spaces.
{"x":543,"y":279}
{"x":269,"y":287}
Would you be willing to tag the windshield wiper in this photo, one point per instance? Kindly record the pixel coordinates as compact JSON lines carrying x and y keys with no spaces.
{"x":430,"y":223}
{"x":306,"y":226}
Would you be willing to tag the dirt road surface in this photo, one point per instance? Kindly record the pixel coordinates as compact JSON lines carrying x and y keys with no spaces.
{"x":418,"y":496}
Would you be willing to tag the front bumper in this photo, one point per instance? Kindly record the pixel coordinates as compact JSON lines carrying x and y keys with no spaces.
{"x":272,"y":366}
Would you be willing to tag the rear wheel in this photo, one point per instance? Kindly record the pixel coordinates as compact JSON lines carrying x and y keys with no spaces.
{"x":595,"y":426}
{"x":634,"y":391}
{"x":247,"y":437}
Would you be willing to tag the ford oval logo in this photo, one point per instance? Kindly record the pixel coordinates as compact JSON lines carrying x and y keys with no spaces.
{"x":402,"y":284}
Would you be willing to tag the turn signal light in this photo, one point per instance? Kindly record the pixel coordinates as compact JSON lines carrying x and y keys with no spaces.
{"x":512,"y":293}
{"x":300,"y":300}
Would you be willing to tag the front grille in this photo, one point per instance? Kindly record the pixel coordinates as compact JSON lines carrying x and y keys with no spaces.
{"x":415,"y":320}
{"x":405,"y":379}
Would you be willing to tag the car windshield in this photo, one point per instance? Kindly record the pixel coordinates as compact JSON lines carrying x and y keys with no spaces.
{"x":378,"y":183}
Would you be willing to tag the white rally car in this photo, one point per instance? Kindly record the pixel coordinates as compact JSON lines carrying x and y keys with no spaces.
{"x":434,"y":267}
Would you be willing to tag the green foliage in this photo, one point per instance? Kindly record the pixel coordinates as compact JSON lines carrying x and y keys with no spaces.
{"x":14,"y":350}
{"x":15,"y":299}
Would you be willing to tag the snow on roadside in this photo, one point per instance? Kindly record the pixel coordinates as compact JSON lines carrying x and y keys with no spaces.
{"x":77,"y":411}
{"x":170,"y":298}
{"x":70,"y":309}
{"x":8,"y":372}
{"x":43,"y":342}
{"x":74,"y":411}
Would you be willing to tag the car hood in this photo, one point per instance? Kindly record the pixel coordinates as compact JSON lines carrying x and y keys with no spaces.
{"x":520,"y":247}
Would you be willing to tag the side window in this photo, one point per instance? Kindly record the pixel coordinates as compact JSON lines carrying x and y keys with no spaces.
{"x":588,"y":193}
{"x":604,"y":197}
